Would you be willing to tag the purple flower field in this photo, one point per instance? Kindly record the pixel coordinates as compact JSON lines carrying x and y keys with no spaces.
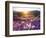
{"x":30,"y":21}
